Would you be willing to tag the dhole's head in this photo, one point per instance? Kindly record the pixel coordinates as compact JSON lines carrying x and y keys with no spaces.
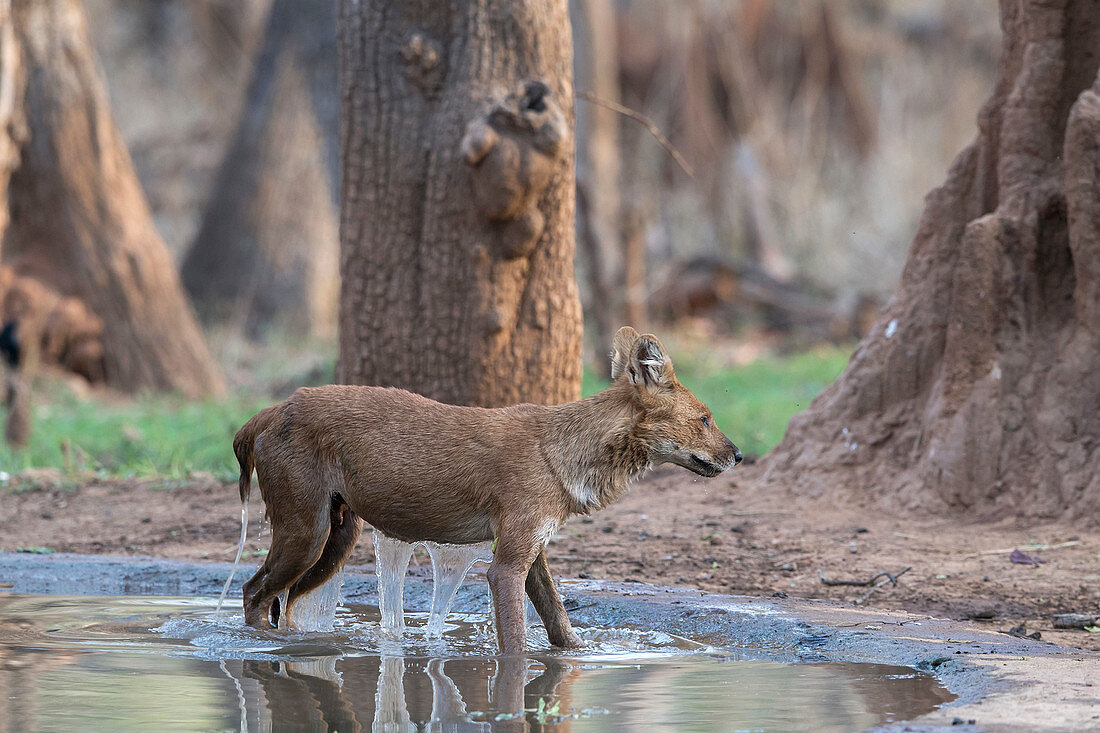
{"x":676,"y":426}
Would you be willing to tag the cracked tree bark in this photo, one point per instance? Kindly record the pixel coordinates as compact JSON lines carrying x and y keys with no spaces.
{"x":77,"y":219}
{"x":458,"y":200}
{"x":978,"y":389}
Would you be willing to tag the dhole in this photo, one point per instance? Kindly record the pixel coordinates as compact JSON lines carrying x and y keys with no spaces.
{"x":330,"y":457}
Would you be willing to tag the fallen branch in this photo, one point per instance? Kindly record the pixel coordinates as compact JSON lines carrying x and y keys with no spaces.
{"x":757,"y":514}
{"x":875,"y":582}
{"x":1075,"y":620}
{"x":1033,"y":548}
{"x":890,"y":578}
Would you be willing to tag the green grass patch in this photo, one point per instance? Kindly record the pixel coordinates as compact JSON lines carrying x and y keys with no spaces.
{"x":752,"y":403}
{"x":173,"y":438}
{"x":147,"y":436}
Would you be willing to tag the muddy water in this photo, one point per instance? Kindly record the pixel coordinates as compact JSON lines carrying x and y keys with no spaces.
{"x":143,"y":663}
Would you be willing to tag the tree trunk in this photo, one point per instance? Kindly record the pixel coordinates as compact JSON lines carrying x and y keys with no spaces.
{"x":458,"y":200}
{"x":176,"y":75}
{"x":78,"y":219}
{"x":13,"y":123}
{"x":978,"y":388}
{"x":266,"y":251}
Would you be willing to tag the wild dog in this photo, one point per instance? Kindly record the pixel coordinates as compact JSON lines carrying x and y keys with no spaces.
{"x":331,"y":457}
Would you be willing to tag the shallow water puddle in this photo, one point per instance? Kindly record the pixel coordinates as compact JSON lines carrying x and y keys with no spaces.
{"x":110,"y":663}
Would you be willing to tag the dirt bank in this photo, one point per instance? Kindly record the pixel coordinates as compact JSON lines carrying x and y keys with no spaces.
{"x":718,"y":535}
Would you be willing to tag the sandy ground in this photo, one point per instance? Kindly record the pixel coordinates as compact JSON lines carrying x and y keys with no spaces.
{"x":672,"y":529}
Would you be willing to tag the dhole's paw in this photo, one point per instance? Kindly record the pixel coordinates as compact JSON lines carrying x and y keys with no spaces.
{"x":572,"y":641}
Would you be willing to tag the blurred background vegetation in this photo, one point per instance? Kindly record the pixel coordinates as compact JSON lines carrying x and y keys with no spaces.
{"x":178,"y":438}
{"x":809,"y":131}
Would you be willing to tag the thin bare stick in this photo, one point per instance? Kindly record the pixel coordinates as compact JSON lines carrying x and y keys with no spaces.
{"x":645,"y":122}
{"x":757,"y":514}
{"x":1033,"y":548}
{"x":888,"y":578}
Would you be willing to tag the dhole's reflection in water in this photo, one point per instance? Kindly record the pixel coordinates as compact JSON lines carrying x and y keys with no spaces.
{"x":393,"y":693}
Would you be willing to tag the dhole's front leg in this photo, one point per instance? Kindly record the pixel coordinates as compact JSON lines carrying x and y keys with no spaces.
{"x":506,"y":582}
{"x":544,"y":595}
{"x":518,"y":544}
{"x":519,"y":563}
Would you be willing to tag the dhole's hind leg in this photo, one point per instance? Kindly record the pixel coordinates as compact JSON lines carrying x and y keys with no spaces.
{"x":294,"y":549}
{"x":343,"y":534}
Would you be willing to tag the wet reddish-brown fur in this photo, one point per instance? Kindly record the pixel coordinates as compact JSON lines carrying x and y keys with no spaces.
{"x":331,"y":457}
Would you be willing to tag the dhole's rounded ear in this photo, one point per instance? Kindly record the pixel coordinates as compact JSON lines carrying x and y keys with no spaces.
{"x":622,"y":346}
{"x":650,"y":366}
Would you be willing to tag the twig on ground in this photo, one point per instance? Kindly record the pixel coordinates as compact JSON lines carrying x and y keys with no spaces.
{"x":875,"y":582}
{"x":645,"y":122}
{"x":757,"y":514}
{"x":890,"y":578}
{"x":1033,"y":548}
{"x":882,"y":623}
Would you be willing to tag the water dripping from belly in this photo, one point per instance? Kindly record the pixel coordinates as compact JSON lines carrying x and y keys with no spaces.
{"x":450,"y":563}
{"x":316,"y":610}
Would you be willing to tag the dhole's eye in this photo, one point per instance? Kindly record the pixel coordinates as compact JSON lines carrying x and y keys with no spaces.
{"x":705,"y":420}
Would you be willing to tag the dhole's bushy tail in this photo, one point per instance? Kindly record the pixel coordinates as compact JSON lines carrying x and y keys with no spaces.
{"x":243,"y":444}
